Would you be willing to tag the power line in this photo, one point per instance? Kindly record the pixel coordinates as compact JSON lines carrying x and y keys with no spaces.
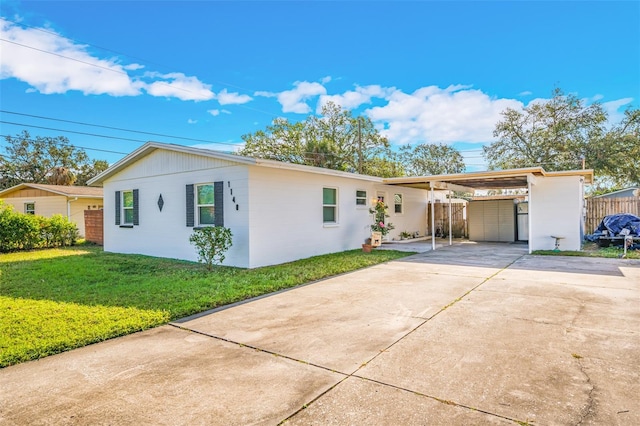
{"x":76,"y":146}
{"x":90,"y":134}
{"x":113,"y":128}
{"x":122,"y":72}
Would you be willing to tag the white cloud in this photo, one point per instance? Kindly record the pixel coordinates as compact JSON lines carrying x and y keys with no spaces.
{"x":217,"y":112}
{"x":226,"y":98}
{"x":325,"y":80}
{"x":294,"y":100}
{"x":525,"y":93}
{"x":133,"y":67}
{"x":354,"y":98}
{"x":51,"y":63}
{"x":265,"y":94}
{"x":178,"y":85}
{"x":432,"y":114}
{"x":192,"y":121}
{"x":613,"y":109}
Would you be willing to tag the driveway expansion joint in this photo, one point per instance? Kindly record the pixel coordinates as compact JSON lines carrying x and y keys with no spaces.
{"x":244,"y":345}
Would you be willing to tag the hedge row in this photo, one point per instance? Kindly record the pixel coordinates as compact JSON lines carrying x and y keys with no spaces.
{"x":19,"y":231}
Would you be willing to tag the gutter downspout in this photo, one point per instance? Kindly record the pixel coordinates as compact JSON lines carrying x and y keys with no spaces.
{"x":69,"y":207}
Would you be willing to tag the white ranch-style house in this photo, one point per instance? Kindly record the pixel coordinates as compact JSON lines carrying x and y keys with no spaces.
{"x":279,"y":212}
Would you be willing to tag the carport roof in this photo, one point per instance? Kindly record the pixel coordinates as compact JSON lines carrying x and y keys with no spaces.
{"x":495,"y":179}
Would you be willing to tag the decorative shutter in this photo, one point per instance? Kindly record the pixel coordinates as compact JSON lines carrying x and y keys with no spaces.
{"x":117,"y":207}
{"x":190,"y":206}
{"x":136,"y":214}
{"x":218,"y":199}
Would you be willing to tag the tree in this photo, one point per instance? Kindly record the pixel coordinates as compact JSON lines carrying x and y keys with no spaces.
{"x":615,"y":155}
{"x":431,"y":159}
{"x":553,"y":134}
{"x":45,"y":160}
{"x":560,"y":133}
{"x":90,"y":170}
{"x":335,"y":140}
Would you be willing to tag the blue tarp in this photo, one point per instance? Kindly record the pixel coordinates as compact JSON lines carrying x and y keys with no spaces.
{"x":614,"y":224}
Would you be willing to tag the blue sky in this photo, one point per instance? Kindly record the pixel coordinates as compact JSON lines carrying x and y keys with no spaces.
{"x":210,"y":71}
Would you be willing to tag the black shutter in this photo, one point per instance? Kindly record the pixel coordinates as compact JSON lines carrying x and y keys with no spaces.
{"x":117,"y":207}
{"x":190,"y":206}
{"x":218,"y":199}
{"x":136,"y":215}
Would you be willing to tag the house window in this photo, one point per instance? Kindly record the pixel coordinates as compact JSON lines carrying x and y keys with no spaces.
{"x":127,"y":207}
{"x":397,"y":201}
{"x":205,"y":204}
{"x":329,"y":205}
{"x":361,"y":198}
{"x":30,"y":208}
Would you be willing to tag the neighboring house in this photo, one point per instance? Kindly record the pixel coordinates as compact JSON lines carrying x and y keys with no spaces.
{"x":633,"y":191}
{"x":47,"y":200}
{"x":278,"y":212}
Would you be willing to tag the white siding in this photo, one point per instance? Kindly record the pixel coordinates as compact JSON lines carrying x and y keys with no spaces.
{"x":278,"y":216}
{"x":164,"y":233}
{"x":556,"y":208}
{"x":286,"y":214}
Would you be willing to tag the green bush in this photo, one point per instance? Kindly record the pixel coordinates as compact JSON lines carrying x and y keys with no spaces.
{"x":211,"y":243}
{"x":19,"y":231}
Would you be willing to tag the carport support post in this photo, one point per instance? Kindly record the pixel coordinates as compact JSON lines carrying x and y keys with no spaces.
{"x":433,"y":219}
{"x":450,"y":221}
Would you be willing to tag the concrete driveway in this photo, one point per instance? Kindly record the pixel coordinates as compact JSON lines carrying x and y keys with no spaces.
{"x":469,"y":334}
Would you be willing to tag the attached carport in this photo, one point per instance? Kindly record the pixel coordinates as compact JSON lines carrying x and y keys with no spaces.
{"x":555,"y":199}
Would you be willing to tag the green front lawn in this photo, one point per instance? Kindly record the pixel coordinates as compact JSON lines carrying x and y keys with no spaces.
{"x":59,"y":299}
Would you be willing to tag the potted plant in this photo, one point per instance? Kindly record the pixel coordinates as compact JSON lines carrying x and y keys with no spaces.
{"x":367,"y":247}
{"x":404,"y":235}
{"x":379,"y":229}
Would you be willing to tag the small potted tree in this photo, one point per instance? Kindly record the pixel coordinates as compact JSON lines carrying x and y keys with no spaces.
{"x":380,"y":228}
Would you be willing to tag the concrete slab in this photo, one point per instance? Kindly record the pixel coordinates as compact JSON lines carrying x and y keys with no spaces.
{"x":342,"y":322}
{"x":534,"y":351}
{"x":513,"y":368}
{"x":163,"y":376}
{"x":362,"y":402}
{"x":593,"y":272}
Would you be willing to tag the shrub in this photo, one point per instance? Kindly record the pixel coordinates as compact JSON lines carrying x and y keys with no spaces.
{"x":211,"y":244}
{"x":62,"y":231}
{"x":19,"y":231}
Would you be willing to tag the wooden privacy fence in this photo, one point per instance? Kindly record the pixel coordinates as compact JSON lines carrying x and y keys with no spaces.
{"x":458,"y":224}
{"x":598,"y":208}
